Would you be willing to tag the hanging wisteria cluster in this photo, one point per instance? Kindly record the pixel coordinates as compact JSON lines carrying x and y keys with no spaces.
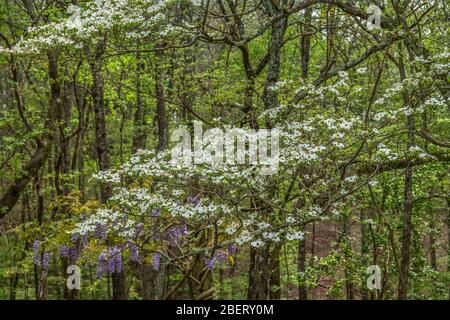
{"x":40,"y":259}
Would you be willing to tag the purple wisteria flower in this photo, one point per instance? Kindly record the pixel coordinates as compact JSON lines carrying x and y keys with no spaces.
{"x":38,"y":259}
{"x":174,"y":235}
{"x":111,"y":265}
{"x":134,"y":252}
{"x":109,"y":261}
{"x":73,"y":254}
{"x":222,"y":256}
{"x":46,"y":260}
{"x":156,"y":261}
{"x":232,"y":248}
{"x":184,"y":231}
{"x":115,"y":259}
{"x":102,"y":263}
{"x":64,"y":251}
{"x":209,"y":263}
{"x":36,"y":256}
{"x":74,"y":237}
{"x":36,"y":244}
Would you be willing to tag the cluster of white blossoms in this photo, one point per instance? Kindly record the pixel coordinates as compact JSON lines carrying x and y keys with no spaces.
{"x":168,"y":195}
{"x":437,"y":101}
{"x":136,"y":19}
{"x":261,"y":238}
{"x":107,"y":176}
{"x":171,"y":201}
{"x":144,"y":202}
{"x":383,"y":152}
{"x":109,"y":221}
{"x":415,"y":150}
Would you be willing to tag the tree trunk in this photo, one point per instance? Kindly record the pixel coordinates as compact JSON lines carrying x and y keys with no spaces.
{"x":139,"y":135}
{"x":270,"y":96}
{"x":346,"y":242}
{"x":163,"y":132}
{"x":101,"y":139}
{"x":302,"y":291}
{"x":201,"y":280}
{"x":364,"y":252}
{"x":406,"y":237}
{"x":275,"y":280}
{"x":305,"y":47}
{"x":258,"y":286}
{"x":448,"y":240}
{"x":407,"y":206}
{"x":153,"y":282}
{"x":433,"y":256}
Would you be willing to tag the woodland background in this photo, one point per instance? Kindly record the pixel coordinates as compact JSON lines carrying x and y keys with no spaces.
{"x":84,"y":85}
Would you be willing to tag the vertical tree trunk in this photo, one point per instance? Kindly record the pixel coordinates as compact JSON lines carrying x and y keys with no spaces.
{"x":39,"y":273}
{"x":406,"y":237}
{"x":264,"y":277}
{"x":364,"y":252}
{"x":275,"y":280}
{"x":163,"y":132}
{"x":258,"y":286}
{"x":407,"y":205}
{"x":305,"y":46}
{"x":412,"y":44}
{"x":153,"y":283}
{"x":14,"y":281}
{"x":448,"y":240}
{"x":201,"y":280}
{"x":270,"y":96}
{"x":77,"y":153}
{"x":139,"y":135}
{"x":345,"y":240}
{"x":100,"y":120}
{"x":119,"y":286}
{"x":301,"y":260}
{"x":433,"y":255}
